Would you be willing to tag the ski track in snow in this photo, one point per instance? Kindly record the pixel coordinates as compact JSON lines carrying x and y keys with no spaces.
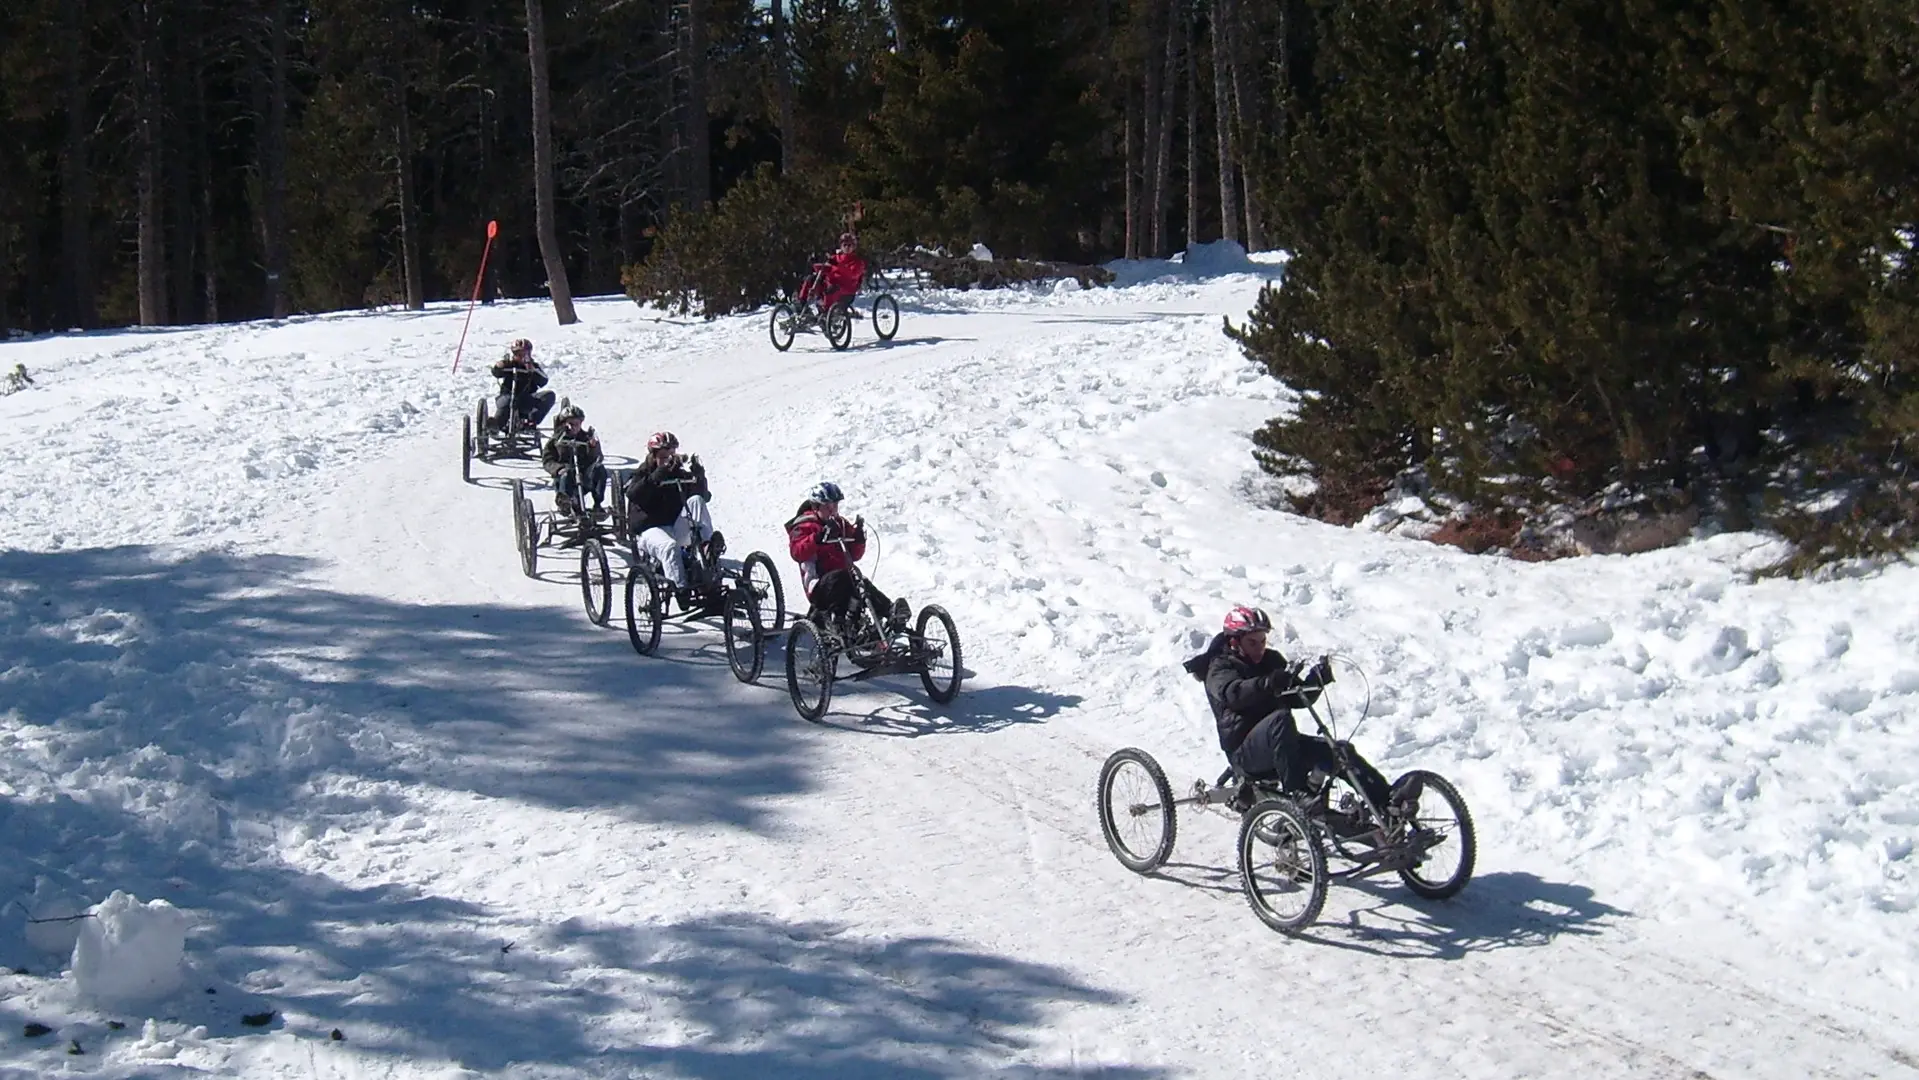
{"x":265,"y":656}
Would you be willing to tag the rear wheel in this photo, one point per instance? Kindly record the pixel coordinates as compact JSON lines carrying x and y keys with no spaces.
{"x":596,"y":582}
{"x":479,"y":431}
{"x":1281,"y":866}
{"x":1443,"y":831}
{"x":466,"y":449}
{"x":1136,"y":810}
{"x":758,"y":574}
{"x":810,"y":664}
{"x":886,"y":316}
{"x":619,"y":505}
{"x":745,"y":640}
{"x":939,"y":644}
{"x":781,"y":328}
{"x":839,"y":325}
{"x":526,"y":529}
{"x":645,"y":608}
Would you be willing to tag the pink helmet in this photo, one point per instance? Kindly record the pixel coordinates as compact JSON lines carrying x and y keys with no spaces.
{"x":1246,"y":620}
{"x":663,"y":440}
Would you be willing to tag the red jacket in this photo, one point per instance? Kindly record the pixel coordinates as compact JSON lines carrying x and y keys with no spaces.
{"x":845,"y":270}
{"x":810,"y":539}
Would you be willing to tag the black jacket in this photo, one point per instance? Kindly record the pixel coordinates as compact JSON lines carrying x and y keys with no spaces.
{"x":517,"y":379}
{"x":559,"y":452}
{"x":1242,"y":694}
{"x":656,"y":496}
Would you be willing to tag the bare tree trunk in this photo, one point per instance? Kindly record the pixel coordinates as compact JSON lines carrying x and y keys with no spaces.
{"x":900,"y":39}
{"x":543,"y":186}
{"x":1153,"y":63}
{"x":1192,"y":127}
{"x":414,"y":272}
{"x":699,"y":166}
{"x":1223,"y":120}
{"x":1163,"y":153}
{"x":76,"y":180}
{"x":1134,"y":169}
{"x":150,"y":272}
{"x":1245,"y":116}
{"x":783,"y":85}
{"x":203,"y":201}
{"x":273,"y":162}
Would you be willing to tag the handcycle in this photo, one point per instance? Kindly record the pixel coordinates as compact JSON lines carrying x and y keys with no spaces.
{"x":931,"y":649}
{"x":806,"y":313}
{"x":1292,"y":844}
{"x":747,"y":597}
{"x":565,"y":527}
{"x":490,"y":438}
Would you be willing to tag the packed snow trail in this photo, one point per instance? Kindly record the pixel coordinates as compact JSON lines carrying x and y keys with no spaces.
{"x":413,"y":795}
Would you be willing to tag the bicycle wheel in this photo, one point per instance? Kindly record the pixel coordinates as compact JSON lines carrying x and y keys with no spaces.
{"x":1443,"y":830}
{"x":1281,"y":866}
{"x":839,"y":325}
{"x":759,"y":574}
{"x":939,"y":644}
{"x":782,"y":326}
{"x":886,"y":316}
{"x":596,"y":582}
{"x":645,"y":608}
{"x":1136,"y":810}
{"x":810,"y":664}
{"x":745,"y":636}
{"x":466,"y":448}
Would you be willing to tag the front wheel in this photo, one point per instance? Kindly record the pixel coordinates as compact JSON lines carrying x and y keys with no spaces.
{"x":939,"y":645}
{"x":1442,"y":828}
{"x":886,"y":316}
{"x":596,"y":582}
{"x":839,"y":325}
{"x":760,"y":575}
{"x":645,"y":608}
{"x":781,"y":328}
{"x":745,"y":637}
{"x":480,"y":419}
{"x":1136,"y":810}
{"x":1281,"y":866}
{"x":810,"y":665}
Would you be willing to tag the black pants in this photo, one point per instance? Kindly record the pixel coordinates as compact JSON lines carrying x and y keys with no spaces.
{"x":833,"y":593}
{"x":533,"y":407}
{"x":564,"y":483}
{"x":1276,"y":749}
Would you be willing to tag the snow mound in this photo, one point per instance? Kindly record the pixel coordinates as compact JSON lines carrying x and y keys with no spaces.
{"x":130,"y":952}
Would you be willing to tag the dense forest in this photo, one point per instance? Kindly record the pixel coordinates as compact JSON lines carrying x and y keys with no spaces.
{"x":1543,"y":253}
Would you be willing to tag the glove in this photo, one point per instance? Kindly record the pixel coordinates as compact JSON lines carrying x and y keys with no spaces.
{"x":1323,"y":671}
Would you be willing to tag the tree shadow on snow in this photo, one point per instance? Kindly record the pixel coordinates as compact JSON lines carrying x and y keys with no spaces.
{"x":234,"y":663}
{"x":233,"y":713}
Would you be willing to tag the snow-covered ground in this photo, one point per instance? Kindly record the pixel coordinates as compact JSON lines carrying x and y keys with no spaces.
{"x":264,"y":656}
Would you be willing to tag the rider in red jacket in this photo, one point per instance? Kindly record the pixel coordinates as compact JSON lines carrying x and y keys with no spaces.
{"x":826,"y":545}
{"x":841,"y":274}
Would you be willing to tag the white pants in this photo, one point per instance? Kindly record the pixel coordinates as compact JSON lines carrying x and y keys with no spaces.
{"x":695,"y":526}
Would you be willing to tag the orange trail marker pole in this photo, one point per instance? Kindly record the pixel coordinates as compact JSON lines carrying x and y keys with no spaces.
{"x":492,"y":230}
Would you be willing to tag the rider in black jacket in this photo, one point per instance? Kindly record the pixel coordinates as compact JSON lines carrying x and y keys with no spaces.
{"x":1253,"y":691}
{"x":666,"y":501}
{"x":521,"y":379}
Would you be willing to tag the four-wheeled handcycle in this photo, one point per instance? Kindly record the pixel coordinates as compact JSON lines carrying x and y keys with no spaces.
{"x":1292,"y":844}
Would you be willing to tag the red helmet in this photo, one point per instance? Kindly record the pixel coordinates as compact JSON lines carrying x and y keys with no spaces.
{"x":663,"y":440}
{"x":1246,"y":620}
{"x":848,"y":240}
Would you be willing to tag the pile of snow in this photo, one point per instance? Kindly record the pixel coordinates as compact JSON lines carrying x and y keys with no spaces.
{"x":1199,"y":262}
{"x":130,"y":953}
